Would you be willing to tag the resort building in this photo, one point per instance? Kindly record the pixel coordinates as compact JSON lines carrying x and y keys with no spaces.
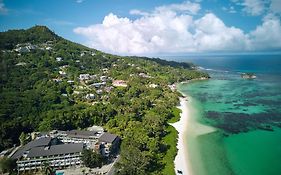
{"x":48,"y":151}
{"x":108,"y":144}
{"x":88,"y":138}
{"x":63,"y":149}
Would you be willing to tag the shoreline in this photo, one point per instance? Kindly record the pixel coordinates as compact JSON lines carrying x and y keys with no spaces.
{"x":181,"y":161}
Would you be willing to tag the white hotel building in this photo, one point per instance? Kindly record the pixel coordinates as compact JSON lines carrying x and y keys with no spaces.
{"x":48,"y":151}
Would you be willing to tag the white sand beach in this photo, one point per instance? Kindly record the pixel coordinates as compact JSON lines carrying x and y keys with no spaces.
{"x":181,"y":160}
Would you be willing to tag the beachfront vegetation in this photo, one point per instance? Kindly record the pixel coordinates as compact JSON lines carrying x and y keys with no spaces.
{"x":40,"y":90}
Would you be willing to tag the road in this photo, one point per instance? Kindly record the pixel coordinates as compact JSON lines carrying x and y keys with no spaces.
{"x":112,"y":168}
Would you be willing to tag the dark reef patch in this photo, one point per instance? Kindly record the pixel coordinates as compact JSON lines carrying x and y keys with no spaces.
{"x":233,"y":123}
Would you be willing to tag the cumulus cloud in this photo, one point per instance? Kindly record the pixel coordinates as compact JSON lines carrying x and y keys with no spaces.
{"x":178,"y":28}
{"x":3,"y":9}
{"x":213,"y":34}
{"x":267,"y":35}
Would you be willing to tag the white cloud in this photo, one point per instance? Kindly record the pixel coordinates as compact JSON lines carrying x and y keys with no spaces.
{"x":213,"y":35}
{"x":254,"y":7}
{"x":275,"y":6}
{"x":231,"y":9}
{"x":3,"y":9}
{"x":177,"y":28}
{"x":187,"y":7}
{"x":79,"y":1}
{"x":138,"y":12}
{"x":267,"y":35}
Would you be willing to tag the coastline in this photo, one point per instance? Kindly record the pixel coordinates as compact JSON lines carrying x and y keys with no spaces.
{"x":181,"y":160}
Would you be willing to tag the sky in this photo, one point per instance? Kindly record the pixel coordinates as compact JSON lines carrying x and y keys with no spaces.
{"x":154,"y":27}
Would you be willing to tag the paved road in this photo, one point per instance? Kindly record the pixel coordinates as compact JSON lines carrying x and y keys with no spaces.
{"x":112,"y":168}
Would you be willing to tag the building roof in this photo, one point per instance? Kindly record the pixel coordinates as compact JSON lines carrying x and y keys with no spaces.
{"x":81,"y":134}
{"x":107,"y":137}
{"x":96,"y":128}
{"x":44,"y":141}
{"x":55,"y":150}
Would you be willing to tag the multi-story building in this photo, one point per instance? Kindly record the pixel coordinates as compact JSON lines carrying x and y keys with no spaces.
{"x":62,"y":149}
{"x":89,"y":138}
{"x":108,"y":144}
{"x":47,"y":151}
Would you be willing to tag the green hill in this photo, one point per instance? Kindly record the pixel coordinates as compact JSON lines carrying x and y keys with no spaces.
{"x":47,"y":82}
{"x":37,"y":34}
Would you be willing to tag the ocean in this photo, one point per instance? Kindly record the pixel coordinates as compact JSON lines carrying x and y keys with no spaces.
{"x":236,"y":123}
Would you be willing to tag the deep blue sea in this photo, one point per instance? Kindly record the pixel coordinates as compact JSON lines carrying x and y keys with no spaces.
{"x":262,"y":64}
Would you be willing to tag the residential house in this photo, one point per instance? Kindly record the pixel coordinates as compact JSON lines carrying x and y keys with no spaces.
{"x":90,"y":96}
{"x":119,"y":83}
{"x":108,"y":89}
{"x":99,"y":91}
{"x":97,"y":85}
{"x":70,"y":81}
{"x":144,"y":75}
{"x":153,"y":85}
{"x":103,"y":78}
{"x":173,"y":87}
{"x":62,"y":73}
{"x":58,"y":59}
{"x":83,"y":77}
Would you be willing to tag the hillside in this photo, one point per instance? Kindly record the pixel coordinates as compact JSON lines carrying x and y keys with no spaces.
{"x":49,"y":83}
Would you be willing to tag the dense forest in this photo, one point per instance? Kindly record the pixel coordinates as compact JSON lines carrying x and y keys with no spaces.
{"x":42,"y":88}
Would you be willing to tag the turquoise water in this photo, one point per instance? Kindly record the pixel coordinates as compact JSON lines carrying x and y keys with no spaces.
{"x":245,"y":116}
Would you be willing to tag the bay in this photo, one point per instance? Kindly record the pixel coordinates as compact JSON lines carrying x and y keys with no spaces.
{"x":245,"y":115}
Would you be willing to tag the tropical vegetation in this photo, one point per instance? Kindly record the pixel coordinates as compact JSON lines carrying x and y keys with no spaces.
{"x":40,"y":90}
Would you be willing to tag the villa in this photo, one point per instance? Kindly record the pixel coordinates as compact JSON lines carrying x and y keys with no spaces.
{"x":119,"y":83}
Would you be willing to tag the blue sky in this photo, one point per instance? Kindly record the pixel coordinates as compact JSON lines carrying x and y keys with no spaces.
{"x":154,"y":27}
